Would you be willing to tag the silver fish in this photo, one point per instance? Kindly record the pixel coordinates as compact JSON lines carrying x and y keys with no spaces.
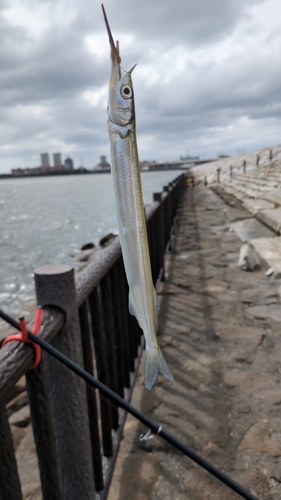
{"x":130,"y":210}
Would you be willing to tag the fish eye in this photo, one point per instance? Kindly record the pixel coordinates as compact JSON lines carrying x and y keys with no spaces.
{"x":126,"y":91}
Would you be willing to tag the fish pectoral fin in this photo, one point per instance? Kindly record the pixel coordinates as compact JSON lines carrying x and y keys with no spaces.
{"x":155,"y":363}
{"x":132,"y":307}
{"x":156,"y":300}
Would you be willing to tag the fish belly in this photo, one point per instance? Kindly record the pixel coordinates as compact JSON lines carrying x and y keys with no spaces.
{"x":135,"y":251}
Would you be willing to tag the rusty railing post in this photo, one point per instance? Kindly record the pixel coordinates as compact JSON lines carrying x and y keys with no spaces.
{"x":218,"y":174}
{"x":10,"y":488}
{"x":91,"y":395}
{"x":55,"y":287}
{"x":43,"y":431}
{"x":166,"y":189}
{"x":161,"y":236}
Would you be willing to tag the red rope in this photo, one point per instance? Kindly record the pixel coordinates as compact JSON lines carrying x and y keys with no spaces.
{"x":23,"y":336}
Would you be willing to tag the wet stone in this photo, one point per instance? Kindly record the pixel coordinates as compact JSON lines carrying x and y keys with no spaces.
{"x":259,"y":439}
{"x":28,"y":467}
{"x":17,"y":403}
{"x":241,"y":335}
{"x":20,"y":418}
{"x":18,"y":434}
{"x":254,"y":295}
{"x":242,"y":408}
{"x":272,"y":313}
{"x":275,"y":471}
{"x":262,"y":386}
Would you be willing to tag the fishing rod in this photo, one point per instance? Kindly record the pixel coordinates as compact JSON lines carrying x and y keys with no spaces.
{"x":154,"y":427}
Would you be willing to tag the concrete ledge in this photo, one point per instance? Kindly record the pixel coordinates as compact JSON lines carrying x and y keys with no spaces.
{"x":271,"y":218}
{"x":232,"y":191}
{"x":235,"y":214}
{"x":254,"y":206}
{"x":268,"y":251}
{"x":274,"y":196}
{"x":251,"y":228}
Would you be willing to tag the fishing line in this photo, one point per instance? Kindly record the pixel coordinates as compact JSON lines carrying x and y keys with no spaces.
{"x":155,"y":428}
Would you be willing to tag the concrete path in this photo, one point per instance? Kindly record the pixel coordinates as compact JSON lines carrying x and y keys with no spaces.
{"x":219,"y":328}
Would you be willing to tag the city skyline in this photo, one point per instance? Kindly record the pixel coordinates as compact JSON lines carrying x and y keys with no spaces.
{"x":45,"y":165}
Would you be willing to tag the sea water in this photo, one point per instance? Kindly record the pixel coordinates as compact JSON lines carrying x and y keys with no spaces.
{"x":46,"y":220}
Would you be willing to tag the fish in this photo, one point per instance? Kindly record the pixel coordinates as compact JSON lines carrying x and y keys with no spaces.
{"x":125,"y":168}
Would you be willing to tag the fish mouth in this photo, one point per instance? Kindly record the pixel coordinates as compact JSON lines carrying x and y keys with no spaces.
{"x":115,"y":54}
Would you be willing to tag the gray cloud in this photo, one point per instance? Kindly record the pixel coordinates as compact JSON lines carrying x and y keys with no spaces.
{"x":192,"y":23}
{"x":207,"y":77}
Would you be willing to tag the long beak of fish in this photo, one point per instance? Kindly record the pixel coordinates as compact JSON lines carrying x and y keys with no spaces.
{"x":115,"y":56}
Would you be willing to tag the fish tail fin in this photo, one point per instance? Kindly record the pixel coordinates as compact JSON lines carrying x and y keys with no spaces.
{"x":155,"y":363}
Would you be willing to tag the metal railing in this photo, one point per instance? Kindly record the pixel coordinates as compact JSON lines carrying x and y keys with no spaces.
{"x":86,"y":318}
{"x":229,"y":171}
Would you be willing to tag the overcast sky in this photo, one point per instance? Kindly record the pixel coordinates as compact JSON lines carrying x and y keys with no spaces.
{"x":207,"y":79}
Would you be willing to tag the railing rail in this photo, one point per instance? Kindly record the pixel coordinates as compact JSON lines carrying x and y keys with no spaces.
{"x":87,"y":319}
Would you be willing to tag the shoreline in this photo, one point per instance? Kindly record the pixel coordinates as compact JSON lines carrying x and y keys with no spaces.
{"x":76,"y":172}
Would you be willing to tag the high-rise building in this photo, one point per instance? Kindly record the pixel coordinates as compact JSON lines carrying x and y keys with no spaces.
{"x":57,"y":160}
{"x":69,"y":164}
{"x":103,"y":163}
{"x":45,"y":161}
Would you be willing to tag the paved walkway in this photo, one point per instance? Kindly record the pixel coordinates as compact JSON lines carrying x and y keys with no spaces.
{"x":219,"y":328}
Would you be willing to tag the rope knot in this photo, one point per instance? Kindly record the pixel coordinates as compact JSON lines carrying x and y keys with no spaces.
{"x":23,"y":336}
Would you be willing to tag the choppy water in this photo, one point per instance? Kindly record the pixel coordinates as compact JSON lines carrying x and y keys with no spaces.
{"x":46,"y":220}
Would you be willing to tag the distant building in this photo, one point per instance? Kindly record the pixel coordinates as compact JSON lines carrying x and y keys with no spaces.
{"x":34,"y":170}
{"x":45,"y":161}
{"x":17,"y":171}
{"x":26,"y":171}
{"x":57,"y":161}
{"x":103,"y":164}
{"x":103,"y":161}
{"x":69,"y":165}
